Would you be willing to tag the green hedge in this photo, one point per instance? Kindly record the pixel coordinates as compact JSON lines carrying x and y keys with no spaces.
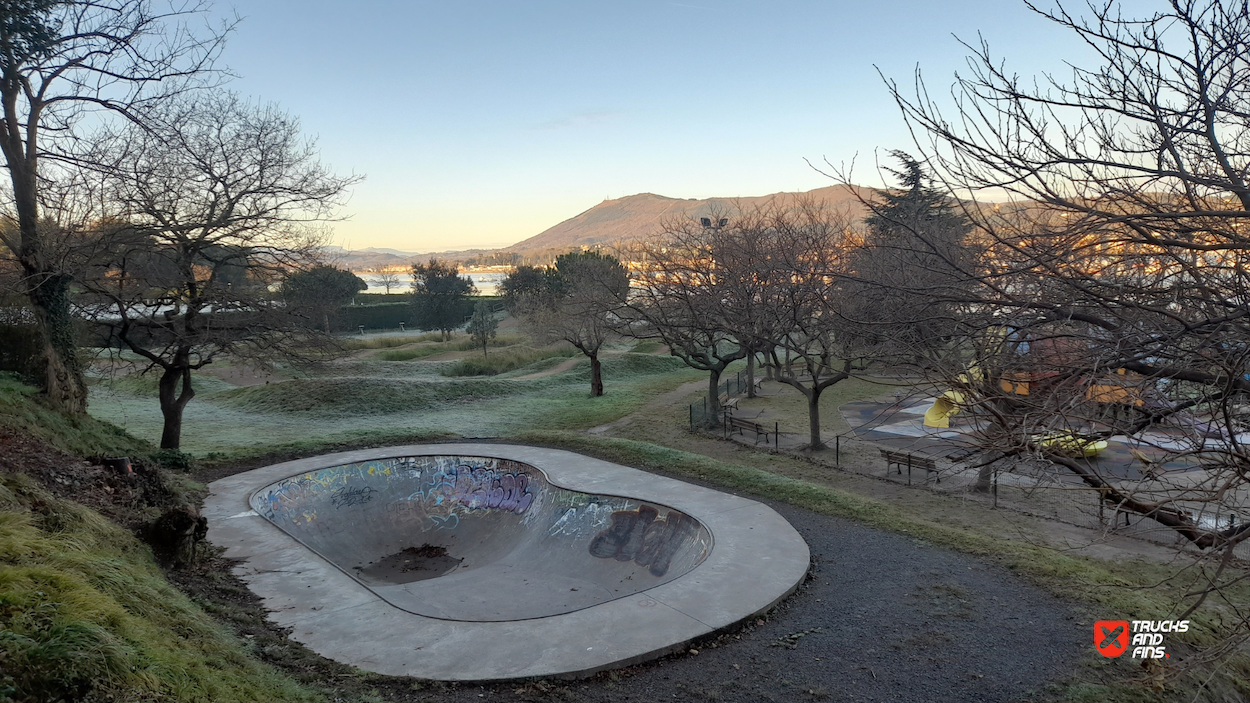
{"x":387,"y":316}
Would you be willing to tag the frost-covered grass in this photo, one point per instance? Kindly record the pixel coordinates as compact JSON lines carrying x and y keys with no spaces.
{"x":504,"y":360}
{"x":387,"y":399}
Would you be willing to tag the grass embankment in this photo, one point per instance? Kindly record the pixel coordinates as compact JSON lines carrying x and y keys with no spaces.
{"x":85,"y":612}
{"x":1106,"y":589}
{"x":21,"y":413}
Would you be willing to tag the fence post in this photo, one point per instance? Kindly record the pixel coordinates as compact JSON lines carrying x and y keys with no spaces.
{"x":837,"y":451}
{"x":691,"y":409}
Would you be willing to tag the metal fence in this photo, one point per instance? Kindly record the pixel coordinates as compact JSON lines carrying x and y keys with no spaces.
{"x":701,"y":414}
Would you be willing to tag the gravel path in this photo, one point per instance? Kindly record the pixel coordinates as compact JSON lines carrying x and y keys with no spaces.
{"x":882,"y":618}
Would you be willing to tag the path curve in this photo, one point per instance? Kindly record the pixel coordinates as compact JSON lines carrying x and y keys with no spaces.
{"x":558,"y":368}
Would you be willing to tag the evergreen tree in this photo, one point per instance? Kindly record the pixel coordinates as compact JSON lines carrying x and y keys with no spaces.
{"x":482,"y":325}
{"x":320,"y":291}
{"x":439,"y":295}
{"x":915,"y":257}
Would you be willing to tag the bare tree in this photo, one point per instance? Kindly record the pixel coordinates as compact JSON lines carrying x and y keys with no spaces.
{"x":1129,"y":237}
{"x":807,"y":298}
{"x":213,"y":198}
{"x":679,"y":296}
{"x":1113,"y":300}
{"x":574,"y":301}
{"x":388,"y":280}
{"x":63,"y":64}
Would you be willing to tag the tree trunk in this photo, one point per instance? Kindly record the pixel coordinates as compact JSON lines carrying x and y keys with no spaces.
{"x":813,"y":418}
{"x":713,"y":398}
{"x":47,"y":289}
{"x":173,"y":403}
{"x":596,"y":375}
{"x":57,"y":368}
{"x":751,"y":375}
{"x":984,"y":477}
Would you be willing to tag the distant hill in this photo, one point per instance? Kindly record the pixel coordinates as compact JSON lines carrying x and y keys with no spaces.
{"x":628,"y":219}
{"x":610,"y":223}
{"x":396,"y":252}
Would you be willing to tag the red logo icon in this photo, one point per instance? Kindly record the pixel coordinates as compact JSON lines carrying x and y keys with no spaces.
{"x":1111,"y":637}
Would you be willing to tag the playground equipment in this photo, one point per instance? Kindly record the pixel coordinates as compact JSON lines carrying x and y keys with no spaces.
{"x":1071,"y":444}
{"x":944,"y":406}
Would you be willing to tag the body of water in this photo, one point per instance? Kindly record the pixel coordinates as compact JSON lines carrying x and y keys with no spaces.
{"x":487,"y":282}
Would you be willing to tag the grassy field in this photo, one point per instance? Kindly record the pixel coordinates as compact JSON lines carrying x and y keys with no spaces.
{"x":371,"y":392}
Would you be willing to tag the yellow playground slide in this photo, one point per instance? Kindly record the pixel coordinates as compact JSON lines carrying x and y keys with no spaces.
{"x":944,"y":406}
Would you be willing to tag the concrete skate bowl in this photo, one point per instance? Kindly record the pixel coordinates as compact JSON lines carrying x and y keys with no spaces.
{"x":478,"y":562}
{"x":481,"y":539}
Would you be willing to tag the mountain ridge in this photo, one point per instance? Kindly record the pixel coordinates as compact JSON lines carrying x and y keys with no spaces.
{"x":635,"y":217}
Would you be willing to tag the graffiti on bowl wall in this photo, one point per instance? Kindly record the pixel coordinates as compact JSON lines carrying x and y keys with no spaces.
{"x":637,"y":535}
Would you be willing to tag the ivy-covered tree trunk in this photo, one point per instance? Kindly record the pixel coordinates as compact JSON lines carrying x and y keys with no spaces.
{"x":59,"y":372}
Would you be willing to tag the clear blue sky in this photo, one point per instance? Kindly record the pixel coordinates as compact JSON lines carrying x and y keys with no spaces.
{"x":482,"y":123}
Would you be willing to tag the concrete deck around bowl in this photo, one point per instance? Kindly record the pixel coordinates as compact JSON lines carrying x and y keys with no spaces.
{"x":757,"y":560}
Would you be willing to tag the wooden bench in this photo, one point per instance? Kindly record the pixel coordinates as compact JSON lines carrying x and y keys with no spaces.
{"x":917,"y":461}
{"x":740,"y":426}
{"x":726,"y":402}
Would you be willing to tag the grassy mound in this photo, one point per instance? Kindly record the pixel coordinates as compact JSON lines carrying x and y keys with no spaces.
{"x":630,"y":365}
{"x":504,"y":361}
{"x":360,"y":396}
{"x":646,"y":346}
{"x":439,"y":347}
